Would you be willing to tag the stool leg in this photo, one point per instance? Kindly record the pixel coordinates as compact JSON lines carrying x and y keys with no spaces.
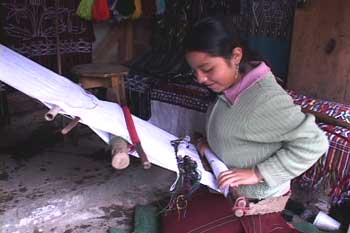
{"x":118,"y":88}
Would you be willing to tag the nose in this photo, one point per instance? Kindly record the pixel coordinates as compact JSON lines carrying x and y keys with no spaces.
{"x":201,"y":77}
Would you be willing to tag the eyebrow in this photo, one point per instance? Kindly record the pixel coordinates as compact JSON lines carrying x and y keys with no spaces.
{"x":202,"y":65}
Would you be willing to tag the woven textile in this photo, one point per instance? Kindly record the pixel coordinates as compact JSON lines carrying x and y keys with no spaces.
{"x":333,"y":169}
{"x":31,"y":28}
{"x":188,"y":96}
{"x":270,"y":18}
{"x":137,"y":89}
{"x":141,"y":90}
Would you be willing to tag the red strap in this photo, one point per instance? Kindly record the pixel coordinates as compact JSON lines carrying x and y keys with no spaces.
{"x":134,"y":137}
{"x":130,"y":125}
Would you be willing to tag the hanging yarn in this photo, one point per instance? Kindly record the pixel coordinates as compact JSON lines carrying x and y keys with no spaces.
{"x":160,"y":4}
{"x":148,"y":8}
{"x":125,"y":7}
{"x":101,"y":10}
{"x":138,"y":10}
{"x":85,"y":9}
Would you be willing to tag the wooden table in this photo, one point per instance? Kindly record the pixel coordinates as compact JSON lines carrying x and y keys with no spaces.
{"x":103,"y":75}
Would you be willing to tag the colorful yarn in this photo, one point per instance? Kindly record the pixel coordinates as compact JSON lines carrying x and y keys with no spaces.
{"x":138,"y":10}
{"x":125,"y":7}
{"x":85,"y":9}
{"x":160,"y":5}
{"x":101,"y":10}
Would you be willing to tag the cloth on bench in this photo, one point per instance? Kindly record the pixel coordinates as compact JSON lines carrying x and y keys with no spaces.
{"x":140,"y":90}
{"x":333,"y":168}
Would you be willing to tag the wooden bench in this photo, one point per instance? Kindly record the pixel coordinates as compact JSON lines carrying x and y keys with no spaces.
{"x":96,"y":75}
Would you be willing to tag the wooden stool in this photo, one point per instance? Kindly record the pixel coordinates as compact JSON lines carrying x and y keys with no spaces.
{"x":103,"y":75}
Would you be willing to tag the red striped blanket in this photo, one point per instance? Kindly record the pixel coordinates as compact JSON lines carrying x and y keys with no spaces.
{"x":333,"y":168}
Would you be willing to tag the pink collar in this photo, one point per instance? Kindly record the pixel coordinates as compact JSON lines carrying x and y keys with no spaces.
{"x":247,"y":81}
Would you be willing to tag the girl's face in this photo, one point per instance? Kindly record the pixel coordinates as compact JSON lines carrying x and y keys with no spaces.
{"x":216,"y":73}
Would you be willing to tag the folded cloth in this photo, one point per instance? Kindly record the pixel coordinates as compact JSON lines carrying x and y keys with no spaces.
{"x":146,"y":219}
{"x":269,"y":205}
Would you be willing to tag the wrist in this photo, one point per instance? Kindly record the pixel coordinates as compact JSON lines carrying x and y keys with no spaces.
{"x":258,"y":174}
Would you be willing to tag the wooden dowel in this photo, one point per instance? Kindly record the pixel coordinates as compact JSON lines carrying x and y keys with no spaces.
{"x":70,"y":126}
{"x":144,"y":160}
{"x":52,"y":113}
{"x":119,"y":151}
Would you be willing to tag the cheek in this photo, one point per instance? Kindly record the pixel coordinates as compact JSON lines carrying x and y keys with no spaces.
{"x":224,"y":77}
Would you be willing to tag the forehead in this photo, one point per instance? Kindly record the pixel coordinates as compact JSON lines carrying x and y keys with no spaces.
{"x":200,"y":59}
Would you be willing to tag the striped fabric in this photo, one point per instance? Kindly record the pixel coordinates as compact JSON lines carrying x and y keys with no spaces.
{"x":332,"y":169}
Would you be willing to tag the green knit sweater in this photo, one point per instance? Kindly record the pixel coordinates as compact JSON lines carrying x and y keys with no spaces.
{"x":265,"y":129}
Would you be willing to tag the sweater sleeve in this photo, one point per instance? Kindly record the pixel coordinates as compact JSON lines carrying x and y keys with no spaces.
{"x":279,"y":120}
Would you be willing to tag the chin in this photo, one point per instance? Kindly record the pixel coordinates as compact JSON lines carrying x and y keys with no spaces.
{"x":216,"y":90}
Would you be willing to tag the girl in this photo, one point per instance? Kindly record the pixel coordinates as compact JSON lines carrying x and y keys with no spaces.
{"x":255,"y":129}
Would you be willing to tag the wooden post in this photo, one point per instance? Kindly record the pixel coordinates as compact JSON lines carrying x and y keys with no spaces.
{"x":119,"y":151}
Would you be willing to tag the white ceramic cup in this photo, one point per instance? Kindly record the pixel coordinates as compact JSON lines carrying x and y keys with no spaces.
{"x":325,"y":222}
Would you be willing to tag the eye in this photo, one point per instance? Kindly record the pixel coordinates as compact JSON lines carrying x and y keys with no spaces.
{"x":208,"y":70}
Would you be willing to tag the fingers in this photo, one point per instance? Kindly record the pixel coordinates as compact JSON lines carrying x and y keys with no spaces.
{"x":201,"y":145}
{"x":237,"y":177}
{"x":201,"y":148}
{"x":229,"y":178}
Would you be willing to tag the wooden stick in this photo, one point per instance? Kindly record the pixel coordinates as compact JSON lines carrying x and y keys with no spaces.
{"x":119,"y":151}
{"x":144,"y":160}
{"x":134,"y":137}
{"x":70,"y":126}
{"x":52,"y":113}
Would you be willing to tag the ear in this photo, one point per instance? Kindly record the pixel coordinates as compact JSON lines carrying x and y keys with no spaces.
{"x":237,"y":54}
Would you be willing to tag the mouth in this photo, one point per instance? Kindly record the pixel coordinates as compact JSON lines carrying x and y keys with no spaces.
{"x":213,"y":87}
{"x":210,"y":85}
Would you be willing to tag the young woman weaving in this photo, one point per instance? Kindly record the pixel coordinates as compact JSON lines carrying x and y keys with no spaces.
{"x":254,"y":128}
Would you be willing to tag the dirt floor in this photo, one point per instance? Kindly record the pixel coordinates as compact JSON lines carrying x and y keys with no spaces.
{"x":49,"y":183}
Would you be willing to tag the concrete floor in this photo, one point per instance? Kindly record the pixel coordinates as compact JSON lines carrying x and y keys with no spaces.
{"x":48,"y":184}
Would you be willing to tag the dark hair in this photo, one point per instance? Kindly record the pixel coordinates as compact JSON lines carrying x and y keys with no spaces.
{"x":217,"y":37}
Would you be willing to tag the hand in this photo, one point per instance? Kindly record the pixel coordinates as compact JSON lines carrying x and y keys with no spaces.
{"x":237,"y":177}
{"x":201,"y":145}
